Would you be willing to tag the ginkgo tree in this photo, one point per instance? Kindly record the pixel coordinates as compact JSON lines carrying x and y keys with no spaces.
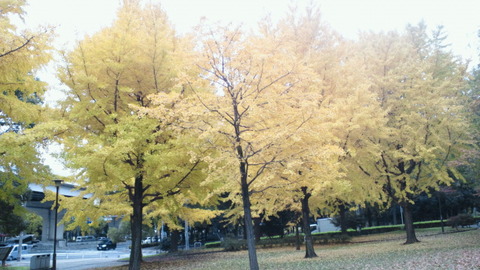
{"x":344,"y":112}
{"x":22,"y":54}
{"x":128,"y":162}
{"x":417,"y":82}
{"x":251,"y":112}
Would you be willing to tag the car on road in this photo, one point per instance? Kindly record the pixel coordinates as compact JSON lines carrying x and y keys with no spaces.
{"x":106,"y":245}
{"x":147,"y":240}
{"x":14,"y":252}
{"x":85,"y":238}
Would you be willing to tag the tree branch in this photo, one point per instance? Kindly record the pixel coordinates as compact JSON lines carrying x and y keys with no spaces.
{"x":18,"y":48}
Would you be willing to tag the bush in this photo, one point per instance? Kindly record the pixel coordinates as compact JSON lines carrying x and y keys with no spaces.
{"x":352,"y":221}
{"x":165,"y":244}
{"x":381,"y":229}
{"x":330,"y":238}
{"x":232,"y":244}
{"x":115,"y":235}
{"x":461,"y":220}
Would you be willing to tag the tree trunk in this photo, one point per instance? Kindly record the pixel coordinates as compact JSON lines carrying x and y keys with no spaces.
{"x":440,"y":210}
{"x":368,"y":215}
{"x":408,"y":219}
{"x":343,"y":220}
{"x":136,"y":222}
{"x":252,"y":252}
{"x":297,"y":238}
{"x":309,"y":250}
{"x":256,"y":228}
{"x":174,"y":237}
{"x":394,"y":214}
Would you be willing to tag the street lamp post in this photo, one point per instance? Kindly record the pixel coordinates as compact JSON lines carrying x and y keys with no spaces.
{"x":54,"y":259}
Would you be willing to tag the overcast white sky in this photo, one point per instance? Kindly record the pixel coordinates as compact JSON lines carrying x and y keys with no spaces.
{"x":461,"y":19}
{"x":75,"y":18}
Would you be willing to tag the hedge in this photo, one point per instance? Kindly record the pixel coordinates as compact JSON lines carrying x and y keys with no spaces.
{"x":231,"y":244}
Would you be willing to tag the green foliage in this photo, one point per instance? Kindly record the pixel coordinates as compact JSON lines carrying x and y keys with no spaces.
{"x":276,"y":225}
{"x":213,"y":244}
{"x":115,"y":235}
{"x":381,"y":229}
{"x":233,"y":244}
{"x":352,"y":221}
{"x":11,"y":222}
{"x":166,"y":244}
{"x":461,"y":220}
{"x":34,"y":224}
{"x":125,"y":228}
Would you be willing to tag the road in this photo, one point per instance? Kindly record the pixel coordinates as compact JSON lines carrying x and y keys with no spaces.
{"x":82,"y":259}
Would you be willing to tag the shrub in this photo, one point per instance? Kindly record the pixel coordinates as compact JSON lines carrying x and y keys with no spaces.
{"x":352,"y":221}
{"x":381,"y":229}
{"x":165,"y":244}
{"x":232,"y":244}
{"x":330,"y":238}
{"x":115,"y":235}
{"x":461,"y":220}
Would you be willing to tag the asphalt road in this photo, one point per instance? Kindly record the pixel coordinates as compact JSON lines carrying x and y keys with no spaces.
{"x":83,"y":259}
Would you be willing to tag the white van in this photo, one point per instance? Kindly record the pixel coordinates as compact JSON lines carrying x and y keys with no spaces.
{"x":14,"y":253}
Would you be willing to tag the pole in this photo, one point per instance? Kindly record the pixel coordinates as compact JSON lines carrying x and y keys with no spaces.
{"x":187,"y":240}
{"x":401,"y":214}
{"x":162,"y":232}
{"x":20,"y":246}
{"x":54,"y":259}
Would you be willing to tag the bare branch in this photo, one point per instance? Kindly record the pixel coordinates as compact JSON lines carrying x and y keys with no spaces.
{"x":18,"y":48}
{"x":174,"y":190}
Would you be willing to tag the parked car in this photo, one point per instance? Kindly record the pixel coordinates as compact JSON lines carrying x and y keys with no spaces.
{"x":14,"y":253}
{"x":85,"y":238}
{"x":147,"y":240}
{"x":106,"y":245}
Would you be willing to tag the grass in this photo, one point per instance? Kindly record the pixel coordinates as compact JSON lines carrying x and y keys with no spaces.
{"x":452,"y":250}
{"x":14,"y":268}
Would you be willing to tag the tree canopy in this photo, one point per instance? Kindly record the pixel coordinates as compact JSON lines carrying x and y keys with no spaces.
{"x":290,"y":116}
{"x":130,"y":164}
{"x":418,"y":83}
{"x":22,"y":53}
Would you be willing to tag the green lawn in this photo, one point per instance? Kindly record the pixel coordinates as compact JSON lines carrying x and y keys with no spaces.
{"x":453,"y":250}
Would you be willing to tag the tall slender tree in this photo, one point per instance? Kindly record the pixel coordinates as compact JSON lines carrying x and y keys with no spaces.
{"x":344,"y":115}
{"x":253,"y":113}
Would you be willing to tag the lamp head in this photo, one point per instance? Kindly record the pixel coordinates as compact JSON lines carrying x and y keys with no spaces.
{"x":58,"y":182}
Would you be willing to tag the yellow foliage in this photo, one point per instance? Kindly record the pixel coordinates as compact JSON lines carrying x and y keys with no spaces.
{"x":22,"y":54}
{"x":120,"y":146}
